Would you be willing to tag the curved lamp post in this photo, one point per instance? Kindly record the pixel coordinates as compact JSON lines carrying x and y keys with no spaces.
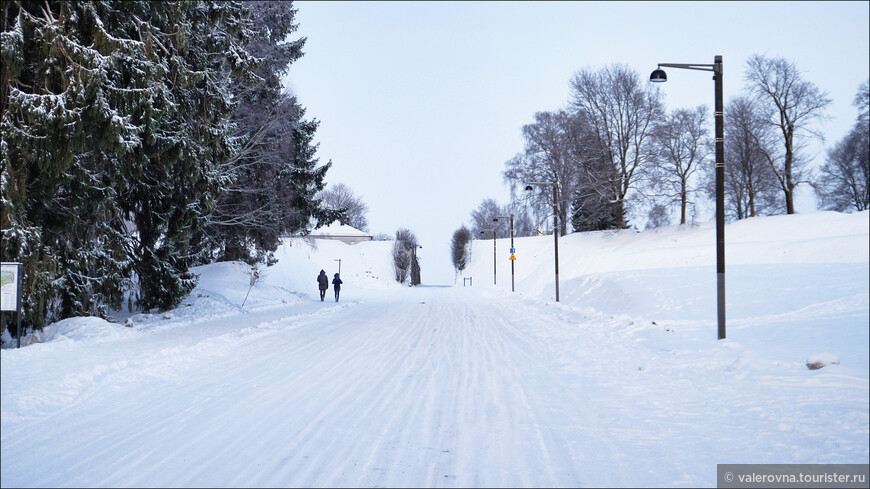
{"x":659,"y":76}
{"x":555,"y":225}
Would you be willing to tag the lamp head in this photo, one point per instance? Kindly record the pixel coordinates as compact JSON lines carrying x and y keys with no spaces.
{"x":658,"y":76}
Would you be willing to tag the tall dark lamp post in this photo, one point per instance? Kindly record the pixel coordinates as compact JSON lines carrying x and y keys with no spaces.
{"x":493,"y":252}
{"x":659,"y":76}
{"x":511,"y":217}
{"x":555,"y":225}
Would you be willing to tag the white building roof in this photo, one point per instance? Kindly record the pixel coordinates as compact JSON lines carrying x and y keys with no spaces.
{"x":337,"y":229}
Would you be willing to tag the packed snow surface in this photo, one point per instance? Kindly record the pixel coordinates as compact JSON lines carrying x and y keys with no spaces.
{"x":623,"y":382}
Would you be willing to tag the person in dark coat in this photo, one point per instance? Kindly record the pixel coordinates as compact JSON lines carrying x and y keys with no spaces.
{"x":323,"y":284}
{"x":336,"y":284}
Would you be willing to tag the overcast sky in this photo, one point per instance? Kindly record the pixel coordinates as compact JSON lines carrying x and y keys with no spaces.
{"x":422,"y":103}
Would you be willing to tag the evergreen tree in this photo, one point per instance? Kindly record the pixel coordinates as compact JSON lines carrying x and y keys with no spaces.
{"x":114,"y":116}
{"x":68,"y":118}
{"x":176,"y":172}
{"x":274,"y":175}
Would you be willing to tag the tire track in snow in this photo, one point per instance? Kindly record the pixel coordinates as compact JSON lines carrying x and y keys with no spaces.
{"x":449,"y":392}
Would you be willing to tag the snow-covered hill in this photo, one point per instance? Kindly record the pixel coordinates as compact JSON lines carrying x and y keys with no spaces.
{"x":621,"y":383}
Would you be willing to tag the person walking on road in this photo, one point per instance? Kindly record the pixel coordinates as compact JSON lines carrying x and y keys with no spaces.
{"x":323,"y":284}
{"x":336,"y":283}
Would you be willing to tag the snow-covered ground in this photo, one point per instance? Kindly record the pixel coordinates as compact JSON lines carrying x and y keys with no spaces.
{"x":621,"y":383}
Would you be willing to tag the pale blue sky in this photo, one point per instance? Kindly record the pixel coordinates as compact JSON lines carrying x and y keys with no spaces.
{"x":437,"y":92}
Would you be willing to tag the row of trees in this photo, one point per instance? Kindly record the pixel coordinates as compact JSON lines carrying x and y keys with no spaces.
{"x":142,"y":138}
{"x":616,"y":149}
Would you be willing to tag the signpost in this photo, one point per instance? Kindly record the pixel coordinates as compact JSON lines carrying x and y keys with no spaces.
{"x":512,"y":258}
{"x":10,"y":291}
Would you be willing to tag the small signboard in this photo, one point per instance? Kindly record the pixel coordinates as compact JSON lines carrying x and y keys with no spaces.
{"x":513,"y":250}
{"x":513,"y":257}
{"x":10,"y":283}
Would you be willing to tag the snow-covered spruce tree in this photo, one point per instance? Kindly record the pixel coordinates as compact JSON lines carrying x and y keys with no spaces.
{"x":175,"y":177}
{"x":275,"y":160}
{"x":67,"y":121}
{"x":112,"y":114}
{"x":302,"y":179}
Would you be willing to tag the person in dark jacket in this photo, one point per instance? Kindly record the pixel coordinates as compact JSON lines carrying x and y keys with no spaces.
{"x":336,"y":284}
{"x":323,"y":284}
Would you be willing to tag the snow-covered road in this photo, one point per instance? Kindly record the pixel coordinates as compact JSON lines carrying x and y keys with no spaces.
{"x":431,"y":386}
{"x":437,"y":388}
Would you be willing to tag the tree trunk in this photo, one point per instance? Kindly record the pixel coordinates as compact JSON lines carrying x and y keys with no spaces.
{"x":683,"y":202}
{"x":620,"y":215}
{"x":789,"y":178}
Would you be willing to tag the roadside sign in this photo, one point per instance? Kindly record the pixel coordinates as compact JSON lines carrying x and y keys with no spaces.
{"x":10,"y":292}
{"x":513,"y":257}
{"x":513,"y":250}
{"x":10,"y":278}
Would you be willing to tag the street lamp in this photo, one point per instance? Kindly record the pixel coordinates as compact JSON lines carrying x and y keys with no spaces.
{"x":339,"y":266}
{"x":511,"y":217}
{"x":659,"y":76}
{"x":555,"y":225}
{"x":493,"y":252}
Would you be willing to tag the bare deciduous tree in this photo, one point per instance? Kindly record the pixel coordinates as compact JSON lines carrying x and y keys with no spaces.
{"x":657,"y":217}
{"x":621,"y":111}
{"x":790,"y":105}
{"x":681,"y":144}
{"x":484,"y":218}
{"x":751,"y":187}
{"x":843,"y":179}
{"x":554,"y":150}
{"x":404,"y":256}
{"x":341,"y":198}
{"x":524,"y":225}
